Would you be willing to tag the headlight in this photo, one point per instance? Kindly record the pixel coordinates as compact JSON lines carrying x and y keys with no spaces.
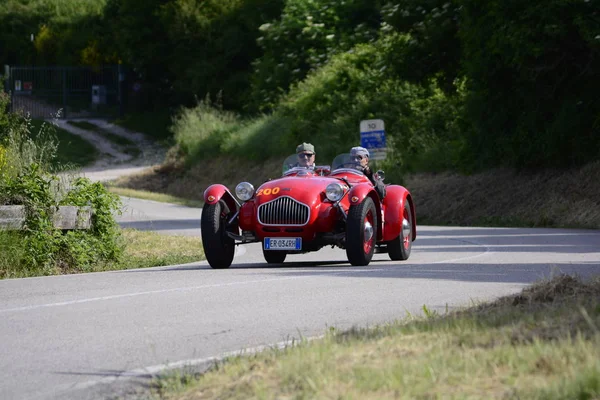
{"x":334,"y":191}
{"x":244,"y":191}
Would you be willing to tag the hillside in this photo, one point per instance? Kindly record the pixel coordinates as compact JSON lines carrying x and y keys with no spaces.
{"x":498,"y":197}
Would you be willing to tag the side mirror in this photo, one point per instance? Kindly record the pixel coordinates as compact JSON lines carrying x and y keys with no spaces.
{"x":381,"y":174}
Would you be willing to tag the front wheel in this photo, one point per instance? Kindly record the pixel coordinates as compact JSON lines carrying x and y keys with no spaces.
{"x":399,"y":248}
{"x":361,"y":232}
{"x":274,"y":256}
{"x":218,"y":247}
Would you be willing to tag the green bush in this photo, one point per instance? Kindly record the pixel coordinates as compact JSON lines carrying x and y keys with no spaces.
{"x":533,"y":71}
{"x":423,"y":124}
{"x":328,"y":106}
{"x":40,"y":248}
{"x":305,"y":37}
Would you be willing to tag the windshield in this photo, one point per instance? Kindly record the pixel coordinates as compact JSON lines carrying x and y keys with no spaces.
{"x":295,"y":165}
{"x":346,"y":162}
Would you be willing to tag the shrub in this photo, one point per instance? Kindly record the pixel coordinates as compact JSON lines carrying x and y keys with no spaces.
{"x":304,"y":38}
{"x":25,"y":179}
{"x":534,"y":91}
{"x":328,"y":106}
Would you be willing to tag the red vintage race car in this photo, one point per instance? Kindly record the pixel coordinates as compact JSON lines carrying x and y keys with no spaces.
{"x":306,"y":209}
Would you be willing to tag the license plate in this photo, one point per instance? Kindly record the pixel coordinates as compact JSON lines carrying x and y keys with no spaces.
{"x":283,"y":243}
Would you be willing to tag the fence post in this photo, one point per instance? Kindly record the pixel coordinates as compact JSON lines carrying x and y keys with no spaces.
{"x":120,"y":83}
{"x":64,"y":91}
{"x":7,"y":86}
{"x":6,"y":77}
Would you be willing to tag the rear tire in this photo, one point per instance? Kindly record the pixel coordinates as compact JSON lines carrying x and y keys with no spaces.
{"x":274,"y":256}
{"x":399,"y":248}
{"x":218,"y":247}
{"x":361,"y":232}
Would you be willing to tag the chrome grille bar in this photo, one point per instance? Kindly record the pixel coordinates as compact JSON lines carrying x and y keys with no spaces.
{"x":283,"y":211}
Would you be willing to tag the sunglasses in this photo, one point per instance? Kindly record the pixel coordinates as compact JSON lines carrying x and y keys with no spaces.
{"x":306,"y":155}
{"x":357,"y":158}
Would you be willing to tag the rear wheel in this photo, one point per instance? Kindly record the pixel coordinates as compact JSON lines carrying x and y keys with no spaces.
{"x":361,"y":232}
{"x":218,"y":247}
{"x":274,"y":256}
{"x":399,"y":248}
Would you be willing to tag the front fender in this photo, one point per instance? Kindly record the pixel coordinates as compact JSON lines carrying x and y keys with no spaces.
{"x":358,"y":193}
{"x":217,"y":192}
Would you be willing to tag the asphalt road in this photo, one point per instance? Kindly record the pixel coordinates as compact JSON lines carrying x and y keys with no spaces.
{"x":96,"y":336}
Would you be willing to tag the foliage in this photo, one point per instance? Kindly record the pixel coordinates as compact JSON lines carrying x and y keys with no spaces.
{"x":354,"y":86}
{"x":432,"y":48}
{"x":422,"y":124}
{"x":105,"y":230}
{"x":50,"y":250}
{"x":215,"y":45}
{"x":203,"y":129}
{"x":304,"y":38}
{"x":518,"y":80}
{"x":204,"y":47}
{"x":60,"y":29}
{"x":25,"y":180}
{"x":533,"y":91}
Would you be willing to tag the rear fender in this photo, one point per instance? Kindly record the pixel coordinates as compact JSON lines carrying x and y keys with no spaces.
{"x":358,"y":193}
{"x":394,"y":203}
{"x":215,"y":193}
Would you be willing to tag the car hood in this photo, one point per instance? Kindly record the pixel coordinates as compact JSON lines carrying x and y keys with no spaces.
{"x":307,"y":190}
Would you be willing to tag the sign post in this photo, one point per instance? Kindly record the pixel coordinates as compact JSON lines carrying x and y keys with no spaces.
{"x":372,"y":137}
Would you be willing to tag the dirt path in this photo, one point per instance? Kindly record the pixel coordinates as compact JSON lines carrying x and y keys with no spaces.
{"x":116,"y":161}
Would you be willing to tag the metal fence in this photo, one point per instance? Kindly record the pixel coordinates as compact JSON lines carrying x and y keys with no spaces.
{"x":66,"y":92}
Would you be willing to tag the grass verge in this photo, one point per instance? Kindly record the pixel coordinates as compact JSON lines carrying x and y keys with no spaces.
{"x":128,"y":146}
{"x":161,"y":197}
{"x":153,"y":124}
{"x":142,"y":250}
{"x":72,"y":149}
{"x":543,"y":343}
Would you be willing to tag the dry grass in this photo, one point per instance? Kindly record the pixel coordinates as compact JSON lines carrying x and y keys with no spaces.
{"x":467,"y":354}
{"x":551,"y":198}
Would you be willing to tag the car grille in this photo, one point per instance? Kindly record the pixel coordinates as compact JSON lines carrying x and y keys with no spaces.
{"x":283,"y":211}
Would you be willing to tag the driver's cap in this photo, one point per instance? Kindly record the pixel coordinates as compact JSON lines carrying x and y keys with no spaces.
{"x":359,"y":151}
{"x":305,"y":147}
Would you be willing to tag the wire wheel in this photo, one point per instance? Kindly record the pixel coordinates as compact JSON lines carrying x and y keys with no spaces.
{"x":361,"y":232}
{"x":399,"y":248}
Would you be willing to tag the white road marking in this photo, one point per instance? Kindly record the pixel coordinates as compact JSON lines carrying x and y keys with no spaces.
{"x":241,"y":252}
{"x":181,"y":289}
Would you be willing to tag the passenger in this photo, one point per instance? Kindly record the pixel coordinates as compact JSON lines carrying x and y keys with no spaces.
{"x":360,"y":155}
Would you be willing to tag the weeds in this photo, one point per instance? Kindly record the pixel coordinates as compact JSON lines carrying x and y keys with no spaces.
{"x":27,"y":165}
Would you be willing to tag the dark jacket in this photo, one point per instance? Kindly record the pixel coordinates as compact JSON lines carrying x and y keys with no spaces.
{"x":378,"y":183}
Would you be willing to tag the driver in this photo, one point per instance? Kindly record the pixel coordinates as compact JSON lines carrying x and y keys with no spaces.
{"x":360,"y":155}
{"x":306,"y":155}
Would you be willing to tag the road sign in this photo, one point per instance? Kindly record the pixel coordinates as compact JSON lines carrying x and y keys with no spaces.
{"x":372,"y":137}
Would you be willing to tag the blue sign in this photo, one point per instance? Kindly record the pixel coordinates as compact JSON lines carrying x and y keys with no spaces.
{"x":373,"y":140}
{"x":372,"y":137}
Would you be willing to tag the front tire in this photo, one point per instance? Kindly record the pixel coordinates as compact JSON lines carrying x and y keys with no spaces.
{"x":361,"y":232}
{"x":399,"y":248}
{"x":274,"y":256}
{"x":218,"y":247}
